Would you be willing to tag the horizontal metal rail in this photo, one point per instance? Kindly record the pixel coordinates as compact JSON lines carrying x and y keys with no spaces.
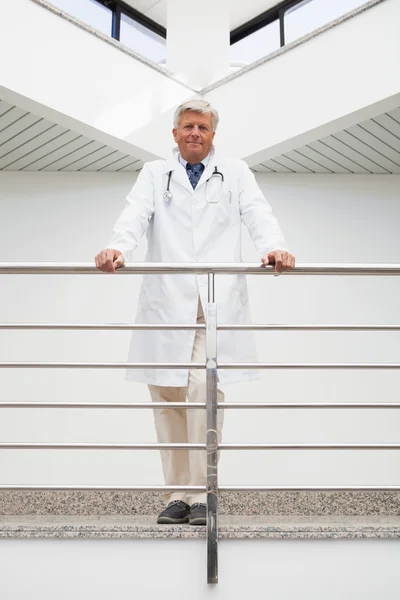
{"x":310,"y":488}
{"x":196,"y":405}
{"x":309,"y":446}
{"x":199,"y":488}
{"x":163,"y":326}
{"x":108,"y":488}
{"x":323,"y":327}
{"x":244,"y":366}
{"x":98,"y":365}
{"x":98,"y":326}
{"x":118,"y":405}
{"x":307,"y":405}
{"x":188,"y":446}
{"x":84,"y":446}
{"x":53,"y":268}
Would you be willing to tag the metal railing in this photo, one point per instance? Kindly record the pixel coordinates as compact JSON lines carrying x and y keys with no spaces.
{"x":211,"y":405}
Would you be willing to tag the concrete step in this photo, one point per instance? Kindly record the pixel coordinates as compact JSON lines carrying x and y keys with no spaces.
{"x":230,"y":527}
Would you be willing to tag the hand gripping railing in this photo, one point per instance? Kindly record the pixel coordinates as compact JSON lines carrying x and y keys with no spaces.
{"x":211,"y":444}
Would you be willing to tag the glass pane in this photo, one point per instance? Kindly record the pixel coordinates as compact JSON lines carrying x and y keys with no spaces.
{"x":89,"y":11}
{"x":311,"y":14}
{"x":142,"y":40}
{"x":257,"y":44}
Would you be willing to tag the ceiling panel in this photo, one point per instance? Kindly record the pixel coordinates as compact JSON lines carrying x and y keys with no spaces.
{"x":158,"y":13}
{"x":261,"y":168}
{"x":367,"y":152}
{"x":37,"y":147}
{"x":142,"y":5}
{"x":294,"y":165}
{"x":395,"y":114}
{"x":4,"y":107}
{"x":119,"y":164}
{"x":9,"y":149}
{"x":337,"y":161}
{"x":389,"y":123}
{"x":30,"y":143}
{"x":14,"y":129}
{"x":107,"y":161}
{"x":66,"y":149}
{"x":374,"y":142}
{"x":9,"y":118}
{"x":136,"y":166}
{"x":382,"y":134}
{"x":88,"y":148}
{"x":277,"y":166}
{"x":372,"y":146}
{"x":90,"y":158}
{"x":309,"y":158}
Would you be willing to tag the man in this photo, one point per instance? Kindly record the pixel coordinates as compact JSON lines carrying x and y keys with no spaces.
{"x":192,"y":207}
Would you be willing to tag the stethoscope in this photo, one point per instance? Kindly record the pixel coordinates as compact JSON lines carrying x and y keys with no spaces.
{"x":168,"y":194}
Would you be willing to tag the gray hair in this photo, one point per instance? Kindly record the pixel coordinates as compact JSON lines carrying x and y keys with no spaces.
{"x":199,"y":106}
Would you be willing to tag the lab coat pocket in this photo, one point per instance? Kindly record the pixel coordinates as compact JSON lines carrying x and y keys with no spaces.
{"x":232,"y":203}
{"x":150,"y":293}
{"x":227,"y":209}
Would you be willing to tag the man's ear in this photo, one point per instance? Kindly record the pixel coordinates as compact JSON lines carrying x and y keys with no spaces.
{"x":174,"y":134}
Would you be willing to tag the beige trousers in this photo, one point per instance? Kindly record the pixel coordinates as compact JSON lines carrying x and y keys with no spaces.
{"x":185,"y":467}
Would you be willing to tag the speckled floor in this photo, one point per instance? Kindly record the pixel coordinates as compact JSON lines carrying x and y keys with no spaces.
{"x":230,"y":527}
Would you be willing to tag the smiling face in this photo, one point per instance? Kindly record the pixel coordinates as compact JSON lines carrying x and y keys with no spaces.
{"x":194,"y":135}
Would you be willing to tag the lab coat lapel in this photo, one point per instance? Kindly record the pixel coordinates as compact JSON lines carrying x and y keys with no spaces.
{"x":179,"y":174}
{"x":215,"y":160}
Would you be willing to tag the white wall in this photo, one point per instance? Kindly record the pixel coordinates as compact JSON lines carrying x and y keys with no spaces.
{"x":171,"y":569}
{"x":334,"y":218}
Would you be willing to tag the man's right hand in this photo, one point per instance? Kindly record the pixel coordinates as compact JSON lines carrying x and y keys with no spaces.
{"x":108,"y":260}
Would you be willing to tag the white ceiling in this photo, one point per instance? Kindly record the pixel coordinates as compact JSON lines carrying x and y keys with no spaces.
{"x":372,"y":146}
{"x":240,"y":11}
{"x":30,"y":143}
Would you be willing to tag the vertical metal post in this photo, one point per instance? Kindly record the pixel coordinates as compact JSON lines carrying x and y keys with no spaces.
{"x":282,"y":27}
{"x":116,"y":22}
{"x":212,"y":435}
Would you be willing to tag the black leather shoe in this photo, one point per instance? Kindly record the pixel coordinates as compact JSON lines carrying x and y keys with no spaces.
{"x":198,"y":514}
{"x":177,"y":511}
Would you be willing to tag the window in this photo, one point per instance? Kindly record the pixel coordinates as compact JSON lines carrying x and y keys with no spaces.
{"x":312,"y":14}
{"x":89,"y":11}
{"x":256,"y":45}
{"x":142,"y":40}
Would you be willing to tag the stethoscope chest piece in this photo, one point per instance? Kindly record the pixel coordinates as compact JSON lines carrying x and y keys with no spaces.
{"x":167,"y":196}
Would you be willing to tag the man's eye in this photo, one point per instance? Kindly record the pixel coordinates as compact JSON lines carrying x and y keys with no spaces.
{"x":187,"y":126}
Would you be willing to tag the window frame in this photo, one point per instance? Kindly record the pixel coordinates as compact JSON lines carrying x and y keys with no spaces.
{"x":275,"y":13}
{"x":118,"y":8}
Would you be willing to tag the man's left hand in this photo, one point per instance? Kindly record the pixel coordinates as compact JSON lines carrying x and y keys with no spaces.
{"x":283,"y":261}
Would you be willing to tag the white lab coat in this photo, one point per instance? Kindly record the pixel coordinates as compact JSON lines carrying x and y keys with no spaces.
{"x":192,"y":228}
